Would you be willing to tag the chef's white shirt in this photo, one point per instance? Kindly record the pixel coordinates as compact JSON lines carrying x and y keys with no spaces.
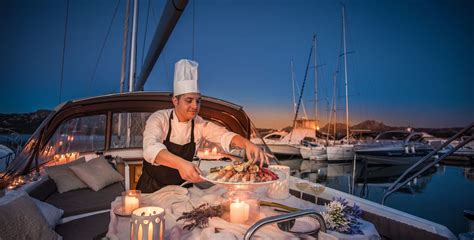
{"x":156,"y":129}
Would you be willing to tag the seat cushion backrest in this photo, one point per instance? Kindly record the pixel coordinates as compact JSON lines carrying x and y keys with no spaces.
{"x":43,"y":190}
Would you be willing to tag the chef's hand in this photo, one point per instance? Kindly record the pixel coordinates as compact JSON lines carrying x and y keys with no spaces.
{"x":190,"y":172}
{"x":255,"y":153}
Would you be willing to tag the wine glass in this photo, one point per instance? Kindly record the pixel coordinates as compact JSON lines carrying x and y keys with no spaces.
{"x":302,"y":185}
{"x":317,"y":189}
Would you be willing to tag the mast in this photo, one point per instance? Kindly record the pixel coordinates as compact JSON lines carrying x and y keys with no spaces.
{"x":293,"y":86}
{"x":133,"y":47}
{"x":171,"y":14}
{"x":345,"y":70}
{"x":124,"y":48}
{"x":334,"y":106}
{"x":131,"y":76}
{"x":315,"y":86}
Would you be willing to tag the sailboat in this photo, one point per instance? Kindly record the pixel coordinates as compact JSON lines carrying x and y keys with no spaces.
{"x":345,"y":151}
{"x":314,"y":150}
{"x":286,"y":145}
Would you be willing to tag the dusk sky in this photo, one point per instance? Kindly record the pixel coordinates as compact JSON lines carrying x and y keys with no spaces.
{"x":411,"y":62}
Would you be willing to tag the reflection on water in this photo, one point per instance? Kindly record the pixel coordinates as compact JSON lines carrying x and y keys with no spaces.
{"x":441,"y":194}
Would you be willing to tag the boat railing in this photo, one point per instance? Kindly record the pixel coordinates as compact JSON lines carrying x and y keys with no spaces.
{"x":7,"y":159}
{"x":286,"y":217}
{"x":398,"y":183}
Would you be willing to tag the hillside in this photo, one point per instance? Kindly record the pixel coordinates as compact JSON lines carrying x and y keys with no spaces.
{"x":23,"y":123}
{"x":378,"y":127}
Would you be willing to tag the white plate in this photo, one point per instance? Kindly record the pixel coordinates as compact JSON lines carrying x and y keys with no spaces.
{"x":232,"y":184}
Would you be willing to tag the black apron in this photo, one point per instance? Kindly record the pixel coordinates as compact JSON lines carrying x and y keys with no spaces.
{"x":153,"y":177}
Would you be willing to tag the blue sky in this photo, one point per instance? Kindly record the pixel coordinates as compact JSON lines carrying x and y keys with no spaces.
{"x":411,"y":61}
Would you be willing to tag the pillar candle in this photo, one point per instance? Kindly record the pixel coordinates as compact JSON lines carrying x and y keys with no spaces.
{"x":239,"y":212}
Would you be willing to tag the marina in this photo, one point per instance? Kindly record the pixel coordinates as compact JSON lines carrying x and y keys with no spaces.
{"x":65,"y":145}
{"x":143,"y":153}
{"x":446,"y":204}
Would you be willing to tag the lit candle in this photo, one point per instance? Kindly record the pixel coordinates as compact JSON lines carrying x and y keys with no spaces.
{"x":206,"y":152}
{"x":130,"y":203}
{"x":147,"y":223}
{"x":214,"y":151}
{"x":239,"y":212}
{"x":150,"y":229}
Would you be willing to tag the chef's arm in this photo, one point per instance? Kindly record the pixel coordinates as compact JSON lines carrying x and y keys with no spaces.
{"x":253,"y":152}
{"x":187,"y":170}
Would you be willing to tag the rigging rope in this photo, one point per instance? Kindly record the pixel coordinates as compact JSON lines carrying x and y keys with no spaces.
{"x":102,"y":48}
{"x":194,"y":26}
{"x":334,"y":95}
{"x":302,"y":103}
{"x":301,"y":93}
{"x":64,"y":53}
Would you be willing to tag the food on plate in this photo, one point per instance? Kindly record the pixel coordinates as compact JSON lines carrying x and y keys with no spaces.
{"x":241,"y":172}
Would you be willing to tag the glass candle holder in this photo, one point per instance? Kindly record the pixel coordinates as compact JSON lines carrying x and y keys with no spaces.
{"x":281,"y":188}
{"x":130,"y":201}
{"x":241,"y":207}
{"x":147,"y":223}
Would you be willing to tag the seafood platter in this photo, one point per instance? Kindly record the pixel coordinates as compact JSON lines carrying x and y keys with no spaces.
{"x":241,"y":173}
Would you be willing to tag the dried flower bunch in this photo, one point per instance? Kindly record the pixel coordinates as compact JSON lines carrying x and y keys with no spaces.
{"x":199,"y":217}
{"x":341,"y":217}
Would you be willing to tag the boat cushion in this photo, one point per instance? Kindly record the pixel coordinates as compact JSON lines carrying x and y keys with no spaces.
{"x":21,"y":219}
{"x":97,"y":173}
{"x":49,"y":212}
{"x":85,"y":200}
{"x":91,"y":227}
{"x":43,"y":189}
{"x":64,"y":178}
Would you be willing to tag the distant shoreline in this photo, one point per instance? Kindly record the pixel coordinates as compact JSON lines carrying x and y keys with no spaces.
{"x":27,"y":123}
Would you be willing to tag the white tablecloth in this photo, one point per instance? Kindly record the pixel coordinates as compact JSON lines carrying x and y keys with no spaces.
{"x":176,"y":200}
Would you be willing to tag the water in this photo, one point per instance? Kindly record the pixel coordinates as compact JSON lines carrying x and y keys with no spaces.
{"x":18,"y":138}
{"x":14,"y":143}
{"x":440,"y":195}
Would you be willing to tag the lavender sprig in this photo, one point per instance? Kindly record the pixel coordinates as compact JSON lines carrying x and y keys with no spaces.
{"x":199,"y":217}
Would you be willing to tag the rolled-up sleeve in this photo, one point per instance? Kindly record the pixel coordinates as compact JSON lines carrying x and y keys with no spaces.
{"x":217,"y":134}
{"x":153,"y":138}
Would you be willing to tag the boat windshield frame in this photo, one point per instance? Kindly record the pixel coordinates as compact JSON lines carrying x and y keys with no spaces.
{"x":229,"y":115}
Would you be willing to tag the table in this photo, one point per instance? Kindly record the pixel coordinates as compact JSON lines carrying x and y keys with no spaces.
{"x":176,"y":200}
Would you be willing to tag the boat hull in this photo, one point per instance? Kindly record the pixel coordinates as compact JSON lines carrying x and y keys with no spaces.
{"x":285,"y":150}
{"x":340,"y":152}
{"x":312,"y":152}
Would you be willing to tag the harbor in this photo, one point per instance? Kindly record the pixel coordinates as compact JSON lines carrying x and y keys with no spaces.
{"x":201,"y":119}
{"x":446,"y":203}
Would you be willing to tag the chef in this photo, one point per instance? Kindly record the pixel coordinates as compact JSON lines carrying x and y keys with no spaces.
{"x":171,"y":136}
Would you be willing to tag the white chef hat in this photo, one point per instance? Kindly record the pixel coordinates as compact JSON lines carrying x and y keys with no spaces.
{"x":185,"y":77}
